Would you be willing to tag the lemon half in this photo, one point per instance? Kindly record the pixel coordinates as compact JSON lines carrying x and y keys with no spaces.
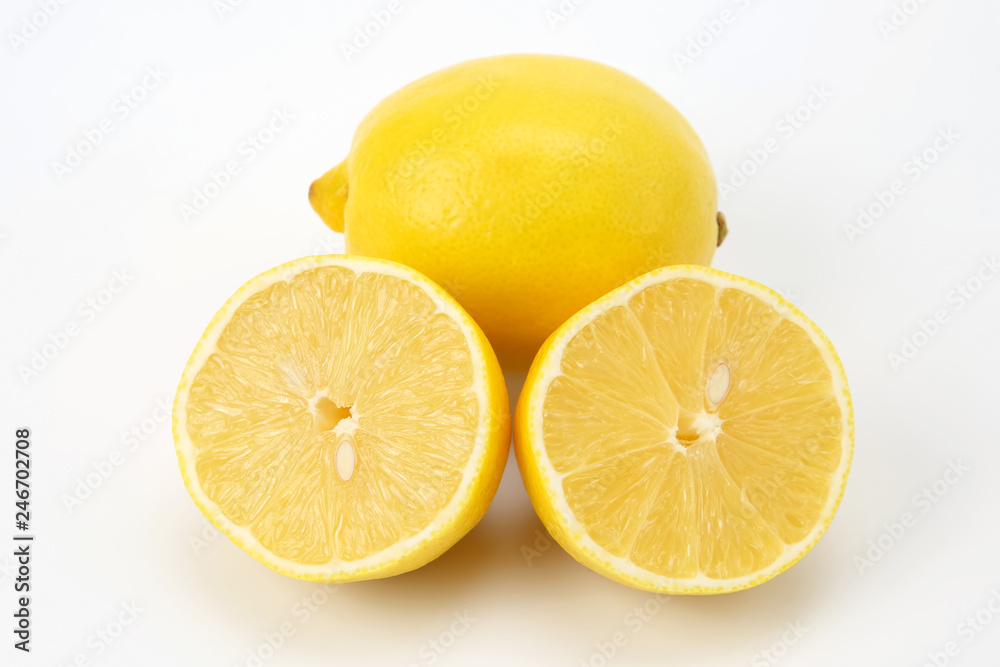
{"x":342,"y":418}
{"x":689,"y":432}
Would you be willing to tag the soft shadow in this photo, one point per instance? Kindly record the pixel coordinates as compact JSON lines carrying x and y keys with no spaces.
{"x":784,"y":598}
{"x":509,"y":569}
{"x":248,"y":591}
{"x":490,"y":550}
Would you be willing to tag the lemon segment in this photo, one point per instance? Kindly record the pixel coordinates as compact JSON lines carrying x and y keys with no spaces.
{"x":690,"y":432}
{"x":342,"y":418}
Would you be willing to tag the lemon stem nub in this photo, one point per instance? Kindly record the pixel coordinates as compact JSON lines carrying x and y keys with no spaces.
{"x":720,"y":219}
{"x":328,"y":195}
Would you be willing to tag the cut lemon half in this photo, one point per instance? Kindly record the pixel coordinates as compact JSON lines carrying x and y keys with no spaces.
{"x":689,"y":432}
{"x":342,"y":418}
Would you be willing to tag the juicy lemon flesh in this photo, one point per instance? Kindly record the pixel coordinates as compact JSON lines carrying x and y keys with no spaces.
{"x":335,"y":416}
{"x":695,"y":430}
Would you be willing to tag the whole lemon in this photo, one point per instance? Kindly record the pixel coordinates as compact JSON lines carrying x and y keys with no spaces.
{"x":527,"y":186}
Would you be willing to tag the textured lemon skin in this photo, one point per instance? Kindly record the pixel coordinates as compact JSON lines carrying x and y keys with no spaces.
{"x":486,"y":478}
{"x":539,"y":484}
{"x":527,"y":186}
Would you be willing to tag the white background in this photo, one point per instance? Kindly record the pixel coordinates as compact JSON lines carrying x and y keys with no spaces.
{"x":62,"y":240}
